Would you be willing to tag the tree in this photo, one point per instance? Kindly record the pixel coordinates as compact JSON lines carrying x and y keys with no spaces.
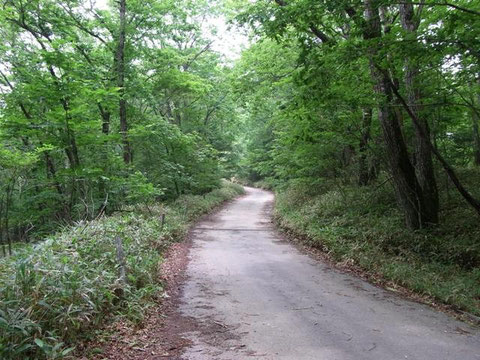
{"x":373,"y":29}
{"x":90,"y":87}
{"x":120,"y":72}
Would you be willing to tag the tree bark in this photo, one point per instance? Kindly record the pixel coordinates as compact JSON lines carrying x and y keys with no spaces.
{"x":476,"y":140}
{"x":476,"y":132}
{"x":2,"y":241}
{"x":8,"y":203}
{"x":408,"y":189}
{"x":448,"y":169}
{"x":120,"y":68}
{"x":423,"y":156}
{"x":364,"y":170}
{"x":105,"y":119}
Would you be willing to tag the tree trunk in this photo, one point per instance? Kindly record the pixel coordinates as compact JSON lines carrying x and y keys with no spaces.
{"x":472,"y":201}
{"x":2,"y":241}
{"x":476,"y":131}
{"x":408,"y":189}
{"x":364,"y":168}
{"x":476,"y":140}
{"x":423,"y":155}
{"x":120,"y":68}
{"x":105,"y":119}
{"x":71,"y":149}
{"x":8,"y":203}
{"x":52,"y":173}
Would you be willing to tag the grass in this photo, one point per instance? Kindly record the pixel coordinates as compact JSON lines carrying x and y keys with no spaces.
{"x":362,"y":226}
{"x":56,"y":292}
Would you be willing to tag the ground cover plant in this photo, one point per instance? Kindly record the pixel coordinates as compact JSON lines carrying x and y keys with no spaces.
{"x":365,"y":229}
{"x":54,"y":293}
{"x":363,"y":117}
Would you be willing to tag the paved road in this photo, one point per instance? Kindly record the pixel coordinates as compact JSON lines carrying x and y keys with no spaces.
{"x":260,"y":298}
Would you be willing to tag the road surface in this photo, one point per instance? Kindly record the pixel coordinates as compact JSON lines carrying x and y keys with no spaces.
{"x":260,"y":298}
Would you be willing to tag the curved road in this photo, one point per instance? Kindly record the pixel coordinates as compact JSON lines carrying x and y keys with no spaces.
{"x":264,"y":299}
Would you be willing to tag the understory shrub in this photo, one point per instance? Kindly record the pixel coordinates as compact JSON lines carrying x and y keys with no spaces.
{"x":54,"y":292}
{"x":363,"y":226}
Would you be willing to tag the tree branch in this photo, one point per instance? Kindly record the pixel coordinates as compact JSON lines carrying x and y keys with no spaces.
{"x":189,"y":63}
{"x":82,"y":27}
{"x":315,"y":30}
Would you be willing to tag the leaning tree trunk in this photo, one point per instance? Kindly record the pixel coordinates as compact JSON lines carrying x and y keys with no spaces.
{"x":120,"y":68}
{"x":408,"y":189}
{"x":423,"y":154}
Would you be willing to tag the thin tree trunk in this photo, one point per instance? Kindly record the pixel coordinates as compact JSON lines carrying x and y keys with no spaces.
{"x":476,"y":139}
{"x":423,"y":155}
{"x":120,"y":68}
{"x":175,"y":182}
{"x":105,"y":119}
{"x":364,"y":171}
{"x":7,"y":214}
{"x":72,"y":149}
{"x":51,"y":172}
{"x":2,"y":241}
{"x":407,"y":187}
{"x":476,"y":131}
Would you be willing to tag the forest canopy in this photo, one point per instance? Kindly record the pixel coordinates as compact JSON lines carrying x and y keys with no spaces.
{"x":105,"y":106}
{"x":351,"y":90}
{"x":108,"y":105}
{"x":120,"y":121}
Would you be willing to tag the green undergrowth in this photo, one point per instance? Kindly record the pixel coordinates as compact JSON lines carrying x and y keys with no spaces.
{"x":54,"y":293}
{"x":363,"y":226}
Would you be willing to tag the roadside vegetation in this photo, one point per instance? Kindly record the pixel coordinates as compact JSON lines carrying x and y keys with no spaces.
{"x":364,"y":118}
{"x":112,"y":113}
{"x":55,"y":293}
{"x":363,"y":229}
{"x":94,"y":117}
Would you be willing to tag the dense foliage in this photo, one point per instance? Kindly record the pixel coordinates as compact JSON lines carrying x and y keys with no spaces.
{"x":53,"y":294}
{"x":102,"y":107}
{"x":346,"y":90}
{"x":108,"y":109}
{"x":364,"y":117}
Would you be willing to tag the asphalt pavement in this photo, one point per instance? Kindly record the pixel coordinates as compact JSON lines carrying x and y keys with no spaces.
{"x":271,"y":301}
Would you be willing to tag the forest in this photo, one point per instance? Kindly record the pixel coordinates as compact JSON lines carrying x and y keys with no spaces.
{"x":121,"y":120}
